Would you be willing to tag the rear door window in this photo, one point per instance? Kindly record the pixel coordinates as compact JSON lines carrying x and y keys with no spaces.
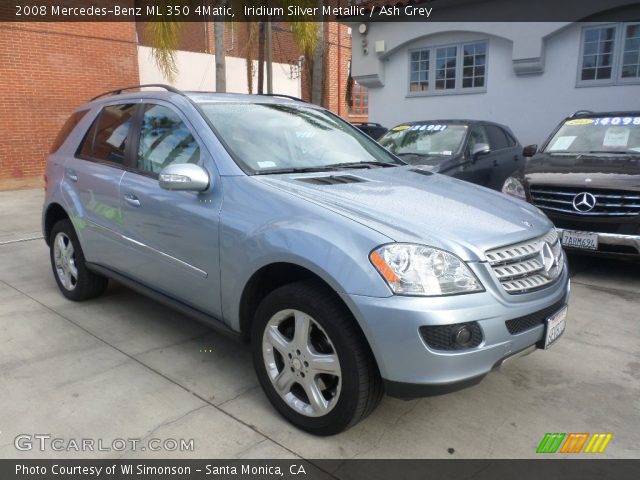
{"x":107,"y":139}
{"x":497,"y":138}
{"x":164,"y":140}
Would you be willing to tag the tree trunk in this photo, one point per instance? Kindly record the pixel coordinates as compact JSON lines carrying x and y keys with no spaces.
{"x":261,"y":59}
{"x":317,"y":74}
{"x":220,"y":52}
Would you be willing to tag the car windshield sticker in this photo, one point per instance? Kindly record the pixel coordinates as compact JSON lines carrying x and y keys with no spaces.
{"x":428,"y":127}
{"x":616,"y":137}
{"x":580,"y":121}
{"x":267,"y":164}
{"x":399,"y":128}
{"x":447,"y":152}
{"x":562,"y":143}
{"x":617,"y":121}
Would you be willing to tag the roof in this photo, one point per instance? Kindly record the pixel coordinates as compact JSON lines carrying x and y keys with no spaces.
{"x":588,"y":114}
{"x":460,"y":121}
{"x":170,"y":92}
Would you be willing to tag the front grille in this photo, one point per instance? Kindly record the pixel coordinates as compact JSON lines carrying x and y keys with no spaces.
{"x":593,"y":225}
{"x":527,"y":322}
{"x":609,"y":203}
{"x":529,"y":265}
{"x":442,"y":337}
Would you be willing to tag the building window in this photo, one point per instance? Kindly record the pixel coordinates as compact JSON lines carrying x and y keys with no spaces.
{"x":631,"y":55}
{"x":610,"y":55}
{"x":597,"y":55}
{"x":419,"y":71}
{"x":360,"y":100}
{"x":455,"y":69}
{"x":473,"y":65}
{"x":446,"y":68}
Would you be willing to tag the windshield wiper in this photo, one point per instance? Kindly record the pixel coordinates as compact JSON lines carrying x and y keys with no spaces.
{"x":608,"y":152}
{"x":370,"y":164}
{"x":416,"y":154}
{"x":327,"y":168}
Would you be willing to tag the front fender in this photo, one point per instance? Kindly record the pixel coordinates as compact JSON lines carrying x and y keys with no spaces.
{"x":260,"y":227}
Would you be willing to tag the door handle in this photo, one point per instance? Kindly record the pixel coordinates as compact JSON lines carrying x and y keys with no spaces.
{"x":132,"y":200}
{"x":495,"y":163}
{"x":72,"y":175}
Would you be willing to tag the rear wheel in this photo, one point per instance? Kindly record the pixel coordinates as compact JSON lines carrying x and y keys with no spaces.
{"x":312,"y":360}
{"x":74,"y":280}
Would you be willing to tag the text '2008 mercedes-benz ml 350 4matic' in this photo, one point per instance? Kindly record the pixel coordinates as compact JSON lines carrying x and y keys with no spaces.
{"x":351,"y":273}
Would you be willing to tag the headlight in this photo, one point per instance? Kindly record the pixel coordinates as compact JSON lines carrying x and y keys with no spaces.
{"x":512,"y":186}
{"x":425,"y":271}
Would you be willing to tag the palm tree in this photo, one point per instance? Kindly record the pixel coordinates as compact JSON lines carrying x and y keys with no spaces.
{"x":309,"y":38}
{"x":220,"y":50}
{"x":164,"y":37}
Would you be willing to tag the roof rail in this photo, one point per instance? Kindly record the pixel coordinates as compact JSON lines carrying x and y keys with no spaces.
{"x":290,"y":97}
{"x":118,"y":91}
{"x":580,"y":112}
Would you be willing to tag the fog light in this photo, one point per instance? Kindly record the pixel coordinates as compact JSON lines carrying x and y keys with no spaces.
{"x":462,"y":336}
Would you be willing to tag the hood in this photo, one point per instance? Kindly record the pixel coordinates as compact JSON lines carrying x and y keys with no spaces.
{"x":594,"y":171}
{"x":411,"y":204}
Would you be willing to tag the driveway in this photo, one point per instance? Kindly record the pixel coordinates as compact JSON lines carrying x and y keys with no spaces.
{"x":122,"y":366}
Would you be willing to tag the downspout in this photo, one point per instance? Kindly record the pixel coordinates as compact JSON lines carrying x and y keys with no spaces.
{"x":339,"y":70}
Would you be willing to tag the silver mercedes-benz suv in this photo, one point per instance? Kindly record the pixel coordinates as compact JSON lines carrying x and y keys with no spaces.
{"x":351,"y":273}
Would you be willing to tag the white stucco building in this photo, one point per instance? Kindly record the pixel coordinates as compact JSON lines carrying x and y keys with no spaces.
{"x":526,"y":75}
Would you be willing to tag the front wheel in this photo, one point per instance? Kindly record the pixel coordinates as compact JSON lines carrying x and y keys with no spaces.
{"x":312,"y":360}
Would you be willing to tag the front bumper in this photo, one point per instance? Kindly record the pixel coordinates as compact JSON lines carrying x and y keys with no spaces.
{"x":409,"y":367}
{"x":608,"y":240}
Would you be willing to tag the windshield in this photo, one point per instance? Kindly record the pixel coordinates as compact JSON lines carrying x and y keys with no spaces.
{"x":425,"y":139}
{"x":597,"y":135}
{"x":270,"y":138}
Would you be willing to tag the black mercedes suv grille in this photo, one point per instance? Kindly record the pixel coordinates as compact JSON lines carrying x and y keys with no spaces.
{"x":596,"y":202}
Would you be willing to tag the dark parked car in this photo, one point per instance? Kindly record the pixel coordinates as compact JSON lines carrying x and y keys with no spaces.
{"x":480,"y":152}
{"x":374,"y":130}
{"x":586,"y":178}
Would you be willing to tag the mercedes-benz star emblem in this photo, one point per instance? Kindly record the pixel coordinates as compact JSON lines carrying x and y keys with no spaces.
{"x":548,"y":258}
{"x":584,"y":202}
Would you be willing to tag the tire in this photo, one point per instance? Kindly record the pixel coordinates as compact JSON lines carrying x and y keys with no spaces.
{"x":74,"y":280}
{"x":348,"y":381}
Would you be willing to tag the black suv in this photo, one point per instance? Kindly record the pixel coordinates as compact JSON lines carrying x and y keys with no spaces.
{"x":586,"y":178}
{"x":374,"y":130}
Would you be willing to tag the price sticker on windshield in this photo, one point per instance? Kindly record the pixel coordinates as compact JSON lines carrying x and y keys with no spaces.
{"x":429,"y":127}
{"x":617,"y":121}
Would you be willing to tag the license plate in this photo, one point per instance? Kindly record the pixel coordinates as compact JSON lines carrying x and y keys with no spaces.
{"x":555,"y":327}
{"x":584,"y":240}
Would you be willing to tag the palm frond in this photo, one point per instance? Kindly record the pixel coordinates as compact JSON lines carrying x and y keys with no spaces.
{"x":164,"y":38}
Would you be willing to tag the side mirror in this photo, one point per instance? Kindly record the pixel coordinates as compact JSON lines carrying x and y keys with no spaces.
{"x":479,"y":149}
{"x":184,"y":176}
{"x":529,"y":150}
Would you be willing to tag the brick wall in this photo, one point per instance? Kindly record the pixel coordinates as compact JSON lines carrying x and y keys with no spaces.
{"x":338,"y":55}
{"x":47,"y":70}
